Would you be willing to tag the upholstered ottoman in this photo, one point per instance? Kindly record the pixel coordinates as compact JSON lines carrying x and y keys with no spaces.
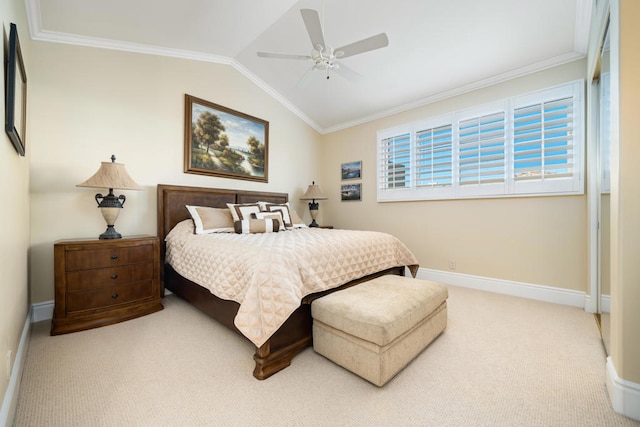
{"x":376,"y":328}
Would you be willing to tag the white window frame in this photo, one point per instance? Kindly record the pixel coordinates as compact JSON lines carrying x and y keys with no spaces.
{"x":573,"y":185}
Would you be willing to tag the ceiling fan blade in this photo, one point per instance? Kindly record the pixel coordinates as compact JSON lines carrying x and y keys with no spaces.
{"x":364,"y":45}
{"x":282,"y":55}
{"x":306,"y":77}
{"x":347,"y":73}
{"x":312,"y":22}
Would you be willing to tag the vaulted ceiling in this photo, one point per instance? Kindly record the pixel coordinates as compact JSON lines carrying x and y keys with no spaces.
{"x":437,"y":48}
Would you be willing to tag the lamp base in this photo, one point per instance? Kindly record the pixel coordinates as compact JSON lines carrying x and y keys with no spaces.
{"x":110,"y":233}
{"x":313,"y":210}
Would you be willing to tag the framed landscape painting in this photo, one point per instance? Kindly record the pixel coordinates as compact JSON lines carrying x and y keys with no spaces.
{"x":222,"y":142}
{"x":351,"y":192}
{"x":352,"y":170}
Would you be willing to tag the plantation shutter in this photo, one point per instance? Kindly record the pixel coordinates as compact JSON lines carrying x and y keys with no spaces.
{"x":526,"y":145}
{"x":543,"y":140}
{"x":482,"y":149}
{"x":395,"y":162}
{"x":434,"y":157}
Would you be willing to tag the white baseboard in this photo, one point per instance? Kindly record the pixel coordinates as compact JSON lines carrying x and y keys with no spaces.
{"x":10,"y":402}
{"x":624,"y":395}
{"x":507,"y":287}
{"x":42,"y":311}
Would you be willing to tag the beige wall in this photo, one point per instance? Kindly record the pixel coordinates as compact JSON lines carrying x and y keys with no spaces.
{"x":90,"y":103}
{"x":625,"y":204}
{"x":539,"y":240}
{"x":14,"y":187}
{"x":86,"y":104}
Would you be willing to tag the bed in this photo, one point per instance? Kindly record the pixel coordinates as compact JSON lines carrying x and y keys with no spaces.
{"x":275,"y":349}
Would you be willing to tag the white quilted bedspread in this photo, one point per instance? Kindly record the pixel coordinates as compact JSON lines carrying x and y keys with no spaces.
{"x":269,"y":274}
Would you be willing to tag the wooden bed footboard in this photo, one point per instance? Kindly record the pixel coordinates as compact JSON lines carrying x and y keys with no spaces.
{"x":290,"y":339}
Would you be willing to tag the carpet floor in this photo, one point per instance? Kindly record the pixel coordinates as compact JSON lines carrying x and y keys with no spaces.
{"x":502,"y":361}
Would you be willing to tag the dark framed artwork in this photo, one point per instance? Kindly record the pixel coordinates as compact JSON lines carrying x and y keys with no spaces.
{"x":352,"y":170}
{"x":15,"y":123}
{"x":222,"y":142}
{"x":351,"y":192}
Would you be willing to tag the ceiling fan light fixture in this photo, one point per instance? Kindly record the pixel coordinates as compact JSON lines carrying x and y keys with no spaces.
{"x":324,"y":57}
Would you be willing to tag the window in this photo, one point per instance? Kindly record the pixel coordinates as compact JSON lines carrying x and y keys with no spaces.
{"x":526,"y":145}
{"x":434,"y":157}
{"x":396,"y":155}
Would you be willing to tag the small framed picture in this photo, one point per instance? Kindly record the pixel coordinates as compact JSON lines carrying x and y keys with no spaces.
{"x":352,"y":170}
{"x":351,"y":192}
{"x":16,"y":93}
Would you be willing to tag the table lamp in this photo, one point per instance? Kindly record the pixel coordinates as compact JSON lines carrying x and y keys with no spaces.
{"x":111,"y":175}
{"x":313,"y":193}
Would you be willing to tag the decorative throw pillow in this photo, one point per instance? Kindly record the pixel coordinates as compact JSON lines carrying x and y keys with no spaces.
{"x":251,"y":225}
{"x":211,"y":220}
{"x":242,"y":211}
{"x":284,"y":210}
{"x":295,"y":220}
{"x":270,"y":215}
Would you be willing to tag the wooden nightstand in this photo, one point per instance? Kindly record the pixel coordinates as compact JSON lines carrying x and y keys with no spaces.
{"x":326,"y":226}
{"x":101,"y":282}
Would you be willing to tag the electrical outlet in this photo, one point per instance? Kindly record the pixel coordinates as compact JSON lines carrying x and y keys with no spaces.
{"x":452,"y":264}
{"x":9,"y":364}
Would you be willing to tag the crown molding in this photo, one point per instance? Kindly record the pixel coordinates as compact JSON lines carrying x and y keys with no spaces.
{"x":38,"y":34}
{"x":276,"y":95}
{"x":584,"y":9}
{"x":57,"y":37}
{"x":480,"y":84}
{"x":583,"y":17}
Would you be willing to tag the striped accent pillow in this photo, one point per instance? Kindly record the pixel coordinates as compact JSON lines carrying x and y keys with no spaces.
{"x":242,"y":211}
{"x":284,"y":210}
{"x":272,"y":215}
{"x":294,"y":218}
{"x":251,"y":225}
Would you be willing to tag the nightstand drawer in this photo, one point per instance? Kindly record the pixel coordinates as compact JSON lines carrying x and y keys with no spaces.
{"x":108,"y":257}
{"x":108,"y":296}
{"x":99,"y":277}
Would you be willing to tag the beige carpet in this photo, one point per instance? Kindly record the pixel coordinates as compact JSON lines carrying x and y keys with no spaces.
{"x":502,"y":361}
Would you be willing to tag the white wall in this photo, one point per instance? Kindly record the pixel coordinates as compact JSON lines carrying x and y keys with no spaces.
{"x":89,"y":103}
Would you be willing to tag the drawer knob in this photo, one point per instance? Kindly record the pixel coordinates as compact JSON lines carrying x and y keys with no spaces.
{"x":114,"y":256}
{"x":114,"y":276}
{"x":114,"y":296}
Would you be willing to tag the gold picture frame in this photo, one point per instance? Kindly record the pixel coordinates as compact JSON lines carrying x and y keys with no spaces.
{"x":219,"y":141}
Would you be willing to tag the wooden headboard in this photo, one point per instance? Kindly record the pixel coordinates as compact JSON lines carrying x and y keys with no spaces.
{"x":172,"y":200}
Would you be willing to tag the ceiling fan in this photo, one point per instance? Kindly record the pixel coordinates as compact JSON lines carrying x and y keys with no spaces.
{"x":324,"y":57}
